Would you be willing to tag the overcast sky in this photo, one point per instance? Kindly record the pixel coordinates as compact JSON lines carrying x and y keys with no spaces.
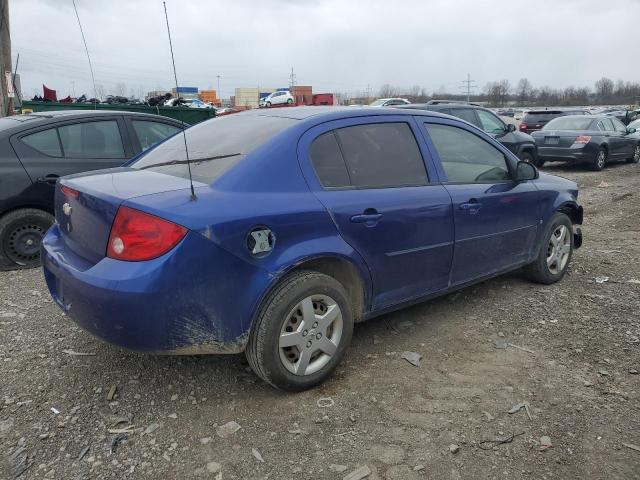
{"x":334,"y":45}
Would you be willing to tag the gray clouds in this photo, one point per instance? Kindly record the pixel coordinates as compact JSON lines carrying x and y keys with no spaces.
{"x":333,"y":45}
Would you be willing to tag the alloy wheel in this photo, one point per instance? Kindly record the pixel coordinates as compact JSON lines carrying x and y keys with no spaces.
{"x":310,"y":335}
{"x":636,"y":154}
{"x":601,"y":160}
{"x":559,"y":249}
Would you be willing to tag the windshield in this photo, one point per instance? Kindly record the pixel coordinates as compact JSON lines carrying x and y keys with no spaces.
{"x":569,"y":123}
{"x":214,"y":146}
{"x":377,"y":103}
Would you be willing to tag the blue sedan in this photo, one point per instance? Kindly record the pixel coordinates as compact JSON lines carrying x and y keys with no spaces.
{"x":302,"y":221}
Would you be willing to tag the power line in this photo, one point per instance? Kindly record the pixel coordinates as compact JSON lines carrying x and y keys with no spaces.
{"x":468,"y":85}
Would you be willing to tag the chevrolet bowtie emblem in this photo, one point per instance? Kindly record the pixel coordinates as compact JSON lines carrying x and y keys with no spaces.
{"x":66,"y":208}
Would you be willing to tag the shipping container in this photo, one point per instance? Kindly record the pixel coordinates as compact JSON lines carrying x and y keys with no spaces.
{"x":325,"y":99}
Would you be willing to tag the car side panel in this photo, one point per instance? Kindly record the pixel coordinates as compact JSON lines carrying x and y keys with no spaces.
{"x":16,"y":188}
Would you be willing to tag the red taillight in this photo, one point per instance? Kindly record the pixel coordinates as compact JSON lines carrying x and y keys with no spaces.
{"x":69,"y":192}
{"x":137,"y":236}
{"x":523,"y":126}
{"x":583,"y":139}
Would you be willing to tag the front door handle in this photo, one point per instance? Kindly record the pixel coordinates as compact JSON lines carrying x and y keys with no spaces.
{"x":472,"y":206}
{"x":370,"y":217}
{"x":51,"y":178}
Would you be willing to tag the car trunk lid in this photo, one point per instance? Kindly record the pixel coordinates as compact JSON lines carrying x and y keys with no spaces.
{"x":86,"y":204}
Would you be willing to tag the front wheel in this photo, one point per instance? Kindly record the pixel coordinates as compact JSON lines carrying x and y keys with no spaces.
{"x":289,"y":101}
{"x":555,"y":252}
{"x":21,"y":233}
{"x":268,"y":104}
{"x":301,"y":332}
{"x":636,"y":155}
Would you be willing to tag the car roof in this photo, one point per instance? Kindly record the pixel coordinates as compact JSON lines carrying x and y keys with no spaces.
{"x":327,"y":113}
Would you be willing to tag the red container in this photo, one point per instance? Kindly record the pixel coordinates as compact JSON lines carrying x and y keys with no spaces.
{"x":324,"y":99}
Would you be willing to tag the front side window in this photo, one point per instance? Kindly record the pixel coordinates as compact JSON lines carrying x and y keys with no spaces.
{"x":466,"y":158}
{"x":45,"y":142}
{"x":617,"y":124}
{"x":490,"y":123}
{"x":466,"y":114}
{"x":92,"y":140}
{"x":150,"y":133}
{"x":380,"y":155}
{"x":608,"y":125}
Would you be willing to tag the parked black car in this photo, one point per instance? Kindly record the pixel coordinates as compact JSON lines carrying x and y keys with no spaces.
{"x":590,"y":139}
{"x":523,"y":145}
{"x":36,"y":149}
{"x":534,"y":120}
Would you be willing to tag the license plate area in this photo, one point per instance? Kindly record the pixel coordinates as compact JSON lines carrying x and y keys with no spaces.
{"x":551,"y":140}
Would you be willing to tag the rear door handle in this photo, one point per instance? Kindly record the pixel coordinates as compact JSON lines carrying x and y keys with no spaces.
{"x":51,"y":178}
{"x":370,"y":216}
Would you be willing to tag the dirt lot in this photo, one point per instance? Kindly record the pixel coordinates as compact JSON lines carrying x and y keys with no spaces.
{"x":578,"y":376}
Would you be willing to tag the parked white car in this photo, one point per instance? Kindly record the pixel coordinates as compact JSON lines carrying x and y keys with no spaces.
{"x":389,"y":102}
{"x":280,"y":97}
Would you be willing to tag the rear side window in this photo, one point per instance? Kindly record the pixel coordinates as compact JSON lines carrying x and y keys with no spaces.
{"x":45,"y":142}
{"x":466,"y":158}
{"x":380,"y":155}
{"x":328,"y":162}
{"x":92,"y":140}
{"x":150,"y":133}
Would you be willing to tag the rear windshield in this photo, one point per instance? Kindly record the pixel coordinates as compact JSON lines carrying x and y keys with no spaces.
{"x":214,"y":146}
{"x":542,"y":116}
{"x":569,"y":123}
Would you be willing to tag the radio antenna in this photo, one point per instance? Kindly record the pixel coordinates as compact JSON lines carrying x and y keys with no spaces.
{"x":175,"y":76}
{"x":86,"y":49}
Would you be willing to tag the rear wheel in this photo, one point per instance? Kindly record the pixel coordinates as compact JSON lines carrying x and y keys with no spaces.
{"x":21,"y":233}
{"x":600,"y":160}
{"x":555,"y":252}
{"x":636,"y":155}
{"x":302,"y":332}
{"x":289,"y":101}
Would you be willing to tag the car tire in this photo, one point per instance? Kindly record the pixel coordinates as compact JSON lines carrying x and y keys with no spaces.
{"x":268,"y":104}
{"x":600,"y":160}
{"x":555,"y":252}
{"x":289,"y":333}
{"x":289,"y":101}
{"x":636,"y":155}
{"x":21,"y":233}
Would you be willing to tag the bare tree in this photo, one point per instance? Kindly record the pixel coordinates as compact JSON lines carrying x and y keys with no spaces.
{"x":524,"y":90}
{"x":604,"y":88}
{"x":120,"y":89}
{"x":100,"y":91}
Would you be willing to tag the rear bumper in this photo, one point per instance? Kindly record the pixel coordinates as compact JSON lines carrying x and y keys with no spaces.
{"x":195,"y":299}
{"x":572,"y":154}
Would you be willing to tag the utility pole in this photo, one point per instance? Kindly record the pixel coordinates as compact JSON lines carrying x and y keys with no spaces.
{"x":292,"y":79}
{"x":368,"y":93}
{"x":467,"y":85}
{"x":5,"y":60}
{"x":219,"y":94}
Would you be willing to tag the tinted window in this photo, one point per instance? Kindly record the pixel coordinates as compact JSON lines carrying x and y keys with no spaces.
{"x":490,"y":123}
{"x":382,"y":155}
{"x":466,"y":114}
{"x":214,"y":146}
{"x":465,"y":157}
{"x":328,"y":162}
{"x":45,"y":142}
{"x":608,"y":125}
{"x":92,"y":140}
{"x":617,"y":124}
{"x":150,"y":133}
{"x":542,"y":116}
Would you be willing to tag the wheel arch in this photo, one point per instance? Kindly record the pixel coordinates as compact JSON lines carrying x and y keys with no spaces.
{"x":572,"y":210}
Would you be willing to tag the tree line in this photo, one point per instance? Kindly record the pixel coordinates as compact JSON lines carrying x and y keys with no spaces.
{"x":501,"y":93}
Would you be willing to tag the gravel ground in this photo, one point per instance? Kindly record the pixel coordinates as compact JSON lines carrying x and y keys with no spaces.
{"x":568,"y":352}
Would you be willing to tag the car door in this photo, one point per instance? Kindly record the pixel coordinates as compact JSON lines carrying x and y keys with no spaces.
{"x":614,"y":139}
{"x":496,"y":218}
{"x":71,"y":147}
{"x":145,"y":133}
{"x":626,"y":142}
{"x":370,"y":175}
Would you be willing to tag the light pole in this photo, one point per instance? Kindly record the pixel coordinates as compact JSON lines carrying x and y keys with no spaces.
{"x":219,"y":94}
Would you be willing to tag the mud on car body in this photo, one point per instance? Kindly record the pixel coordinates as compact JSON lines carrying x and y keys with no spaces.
{"x":304,"y":221}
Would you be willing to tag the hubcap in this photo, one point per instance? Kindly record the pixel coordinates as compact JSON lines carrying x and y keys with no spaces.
{"x":22,"y":245}
{"x":310,"y":335}
{"x":559,"y":249}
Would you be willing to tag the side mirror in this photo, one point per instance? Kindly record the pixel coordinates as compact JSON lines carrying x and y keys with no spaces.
{"x":510,"y":127}
{"x":631,"y":130}
{"x":525,"y":171}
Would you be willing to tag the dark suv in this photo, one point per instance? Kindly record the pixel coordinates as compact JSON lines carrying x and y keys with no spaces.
{"x":522,"y":144}
{"x":36,"y":149}
{"x":534,"y":120}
